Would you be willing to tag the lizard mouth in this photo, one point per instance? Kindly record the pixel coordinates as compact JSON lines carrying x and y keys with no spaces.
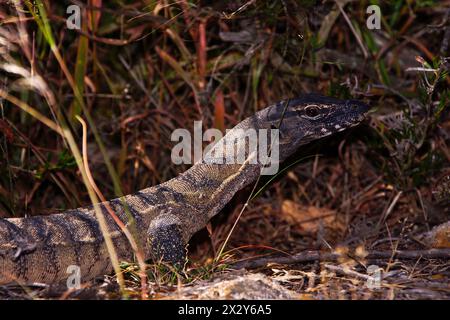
{"x":356,"y":113}
{"x":359,"y":110}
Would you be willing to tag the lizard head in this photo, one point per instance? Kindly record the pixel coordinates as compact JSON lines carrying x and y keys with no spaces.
{"x":312,"y":116}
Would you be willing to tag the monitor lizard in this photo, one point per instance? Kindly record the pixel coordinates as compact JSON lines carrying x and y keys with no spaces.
{"x":41,"y":248}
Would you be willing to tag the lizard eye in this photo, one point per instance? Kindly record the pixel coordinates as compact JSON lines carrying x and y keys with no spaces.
{"x":311,"y":112}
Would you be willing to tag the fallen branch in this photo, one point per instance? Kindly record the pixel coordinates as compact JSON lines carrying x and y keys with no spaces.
{"x":348,"y":272}
{"x":313,"y":256}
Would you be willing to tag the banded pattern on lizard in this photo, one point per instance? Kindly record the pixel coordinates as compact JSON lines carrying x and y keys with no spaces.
{"x":41,"y":248}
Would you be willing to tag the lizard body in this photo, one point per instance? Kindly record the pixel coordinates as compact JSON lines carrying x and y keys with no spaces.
{"x":41,"y":248}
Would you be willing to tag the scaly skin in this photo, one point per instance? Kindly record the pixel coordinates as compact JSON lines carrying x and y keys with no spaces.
{"x":41,"y":248}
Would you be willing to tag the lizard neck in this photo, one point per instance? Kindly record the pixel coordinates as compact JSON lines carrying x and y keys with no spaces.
{"x":234,"y":162}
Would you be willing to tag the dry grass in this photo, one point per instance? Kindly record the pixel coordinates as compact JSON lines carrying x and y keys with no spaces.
{"x":136,"y":72}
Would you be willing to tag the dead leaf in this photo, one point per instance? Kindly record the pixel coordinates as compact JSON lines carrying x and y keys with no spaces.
{"x":439,"y":237}
{"x":308,"y":218}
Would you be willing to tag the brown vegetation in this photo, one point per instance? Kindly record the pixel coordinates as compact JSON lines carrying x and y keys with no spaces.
{"x":136,"y":71}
